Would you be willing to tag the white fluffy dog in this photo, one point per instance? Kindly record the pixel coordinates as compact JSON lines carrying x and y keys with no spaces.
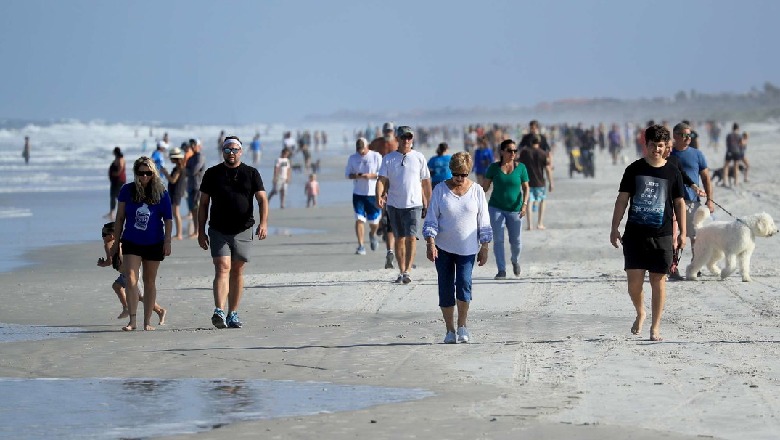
{"x":734,"y":240}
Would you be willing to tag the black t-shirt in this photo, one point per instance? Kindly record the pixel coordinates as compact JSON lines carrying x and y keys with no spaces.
{"x":525,"y":141}
{"x":652,"y":192}
{"x":232,"y":191}
{"x":535,"y":161}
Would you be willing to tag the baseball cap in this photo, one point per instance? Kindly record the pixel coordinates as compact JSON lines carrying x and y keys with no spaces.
{"x":388,"y":127}
{"x":402,"y":130}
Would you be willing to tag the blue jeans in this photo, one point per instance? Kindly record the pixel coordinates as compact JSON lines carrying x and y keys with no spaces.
{"x":500,"y":219}
{"x":454,"y":277}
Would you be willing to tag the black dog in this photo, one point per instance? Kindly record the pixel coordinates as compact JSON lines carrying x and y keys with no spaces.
{"x":717,"y":174}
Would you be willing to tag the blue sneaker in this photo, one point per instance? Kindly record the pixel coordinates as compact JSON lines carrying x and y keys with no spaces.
{"x":373,"y":241}
{"x":233,"y":321}
{"x":218,"y":318}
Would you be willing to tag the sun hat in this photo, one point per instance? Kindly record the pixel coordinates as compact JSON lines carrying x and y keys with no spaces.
{"x":176,"y":153}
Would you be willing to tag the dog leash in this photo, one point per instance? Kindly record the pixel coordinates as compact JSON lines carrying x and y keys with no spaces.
{"x":727,"y":212}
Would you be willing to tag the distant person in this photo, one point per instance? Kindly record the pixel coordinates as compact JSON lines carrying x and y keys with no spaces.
{"x":483,"y":158}
{"x":226,"y":201}
{"x":177,"y":185}
{"x":734,"y":155}
{"x":158,"y":156}
{"x":120,"y":284}
{"x":694,"y":135}
{"x":117,"y":176}
{"x":743,"y":145}
{"x":384,"y":145}
{"x":312,"y":190}
{"x":194,"y":169}
{"x":507,"y":205}
{"x":404,"y":186}
{"x":26,"y":150}
{"x":652,"y":190}
{"x":615,"y":143}
{"x":256,"y":148}
{"x":457,"y":232}
{"x":534,"y":130}
{"x":537,"y":163}
{"x":143,"y":222}
{"x":439,"y":165}
{"x":220,"y":141}
{"x":363,"y":168}
{"x":282,"y":176}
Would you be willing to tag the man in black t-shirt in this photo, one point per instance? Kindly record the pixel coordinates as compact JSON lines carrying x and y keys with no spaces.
{"x":652,"y":190}
{"x":226,"y":194}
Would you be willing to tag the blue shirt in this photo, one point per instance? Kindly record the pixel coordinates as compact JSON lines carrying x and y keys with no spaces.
{"x":693,"y":162}
{"x":440,"y":168}
{"x":483,"y":157}
{"x":144,"y":223}
{"x":255,"y":145}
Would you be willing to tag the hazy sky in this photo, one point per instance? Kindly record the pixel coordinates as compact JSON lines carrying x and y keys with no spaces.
{"x":276,"y":61}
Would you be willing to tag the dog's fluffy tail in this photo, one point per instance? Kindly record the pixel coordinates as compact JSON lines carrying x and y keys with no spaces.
{"x":700,"y":216}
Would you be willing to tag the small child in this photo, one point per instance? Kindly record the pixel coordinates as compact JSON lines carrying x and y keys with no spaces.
{"x":120,"y":283}
{"x":312,"y":190}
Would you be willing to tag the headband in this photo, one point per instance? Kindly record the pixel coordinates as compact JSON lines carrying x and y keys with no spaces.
{"x":231,"y":141}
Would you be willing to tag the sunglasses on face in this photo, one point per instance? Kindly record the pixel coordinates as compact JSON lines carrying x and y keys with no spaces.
{"x":105,"y":234}
{"x":510,"y":151}
{"x":407,"y":137}
{"x":228,"y":150}
{"x":686,"y":135}
{"x":144,"y":173}
{"x":462,"y":176}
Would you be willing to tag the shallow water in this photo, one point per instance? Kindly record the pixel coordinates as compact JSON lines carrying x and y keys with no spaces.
{"x":18,"y":333}
{"x":106,"y":408}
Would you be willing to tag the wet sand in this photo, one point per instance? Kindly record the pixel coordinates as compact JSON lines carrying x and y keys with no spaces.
{"x":552,"y":353}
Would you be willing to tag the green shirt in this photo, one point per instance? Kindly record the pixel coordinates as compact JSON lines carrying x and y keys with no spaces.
{"x":507,"y":188}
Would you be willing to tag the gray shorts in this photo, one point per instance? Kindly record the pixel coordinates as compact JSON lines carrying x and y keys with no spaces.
{"x":404,"y":221}
{"x":690,"y":207}
{"x":237,"y":247}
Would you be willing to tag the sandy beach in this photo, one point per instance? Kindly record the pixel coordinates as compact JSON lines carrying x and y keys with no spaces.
{"x":552,"y":355}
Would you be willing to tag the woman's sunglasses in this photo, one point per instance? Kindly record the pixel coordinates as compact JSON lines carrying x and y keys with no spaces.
{"x":460,"y":175}
{"x":144,"y":173}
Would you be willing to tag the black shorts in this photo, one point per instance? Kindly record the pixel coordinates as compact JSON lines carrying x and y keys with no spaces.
{"x":148,"y":252}
{"x":653,"y":254}
{"x":732,"y":155}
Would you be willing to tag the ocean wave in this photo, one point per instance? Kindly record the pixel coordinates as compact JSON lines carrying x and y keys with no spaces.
{"x":6,"y":213}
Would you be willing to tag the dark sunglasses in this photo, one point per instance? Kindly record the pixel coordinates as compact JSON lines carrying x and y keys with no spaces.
{"x":227,"y":150}
{"x":144,"y":173}
{"x":510,"y":151}
{"x":407,"y":137}
{"x":686,"y":135}
{"x":463,"y":176}
{"x":105,"y":234}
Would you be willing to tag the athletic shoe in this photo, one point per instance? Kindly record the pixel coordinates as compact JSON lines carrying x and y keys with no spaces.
{"x":463,"y":335}
{"x":361,"y":250}
{"x":218,"y":318}
{"x":400,"y":279}
{"x":516,"y":269}
{"x":373,"y":241}
{"x":233,"y":321}
{"x":406,"y":279}
{"x":675,"y":276}
{"x":501,"y":275}
{"x":450,"y":338}
{"x":389,"y":258}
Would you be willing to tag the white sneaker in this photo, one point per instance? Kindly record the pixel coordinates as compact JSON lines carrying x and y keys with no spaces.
{"x":360,"y":250}
{"x":463,"y":335}
{"x":450,"y":338}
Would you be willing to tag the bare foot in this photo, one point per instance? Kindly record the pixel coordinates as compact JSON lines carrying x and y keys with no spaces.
{"x":193,"y":235}
{"x":540,"y":227}
{"x":179,"y":237}
{"x":125,"y":313}
{"x":637,"y":327}
{"x":655,"y":335}
{"x":128,"y":328}
{"x":162,"y":314}
{"x":148,"y":327}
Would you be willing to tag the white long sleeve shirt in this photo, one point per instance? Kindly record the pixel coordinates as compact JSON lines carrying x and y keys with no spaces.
{"x":458,"y":223}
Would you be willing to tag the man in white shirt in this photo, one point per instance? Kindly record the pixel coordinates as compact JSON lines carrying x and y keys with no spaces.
{"x":404,"y":186}
{"x":363,"y":168}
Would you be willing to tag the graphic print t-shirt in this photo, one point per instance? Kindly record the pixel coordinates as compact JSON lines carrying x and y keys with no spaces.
{"x":652,"y":192}
{"x":144,"y":223}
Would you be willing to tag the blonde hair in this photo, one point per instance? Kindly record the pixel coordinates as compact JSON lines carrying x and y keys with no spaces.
{"x":461,"y":161}
{"x":152,"y":194}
